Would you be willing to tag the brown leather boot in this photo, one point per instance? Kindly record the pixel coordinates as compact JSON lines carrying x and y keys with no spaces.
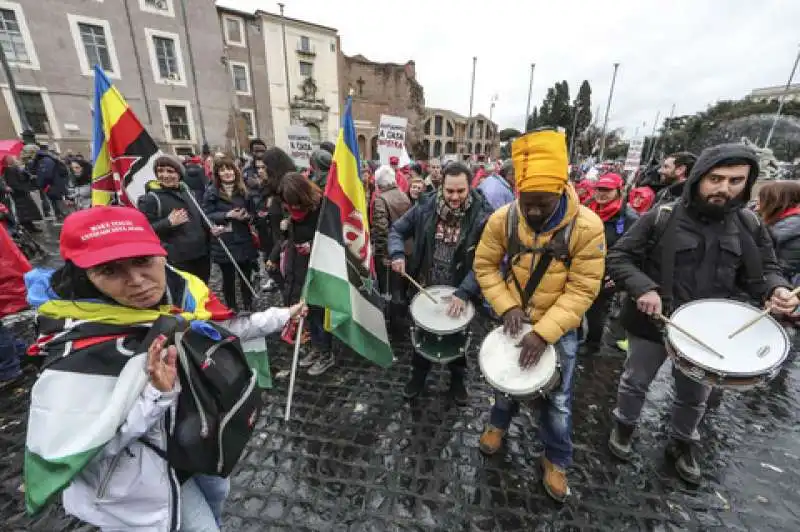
{"x":491,"y":440}
{"x":555,"y":481}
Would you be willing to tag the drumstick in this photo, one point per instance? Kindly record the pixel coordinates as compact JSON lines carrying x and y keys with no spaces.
{"x":419,"y":287}
{"x":763,"y":313}
{"x":688,"y":334}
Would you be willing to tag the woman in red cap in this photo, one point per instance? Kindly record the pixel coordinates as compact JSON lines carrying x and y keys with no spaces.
{"x":608,"y":203}
{"x":103,"y":410}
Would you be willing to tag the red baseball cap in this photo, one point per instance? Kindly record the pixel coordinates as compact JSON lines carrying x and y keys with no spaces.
{"x":394,"y":160}
{"x":610,"y":182}
{"x":103,"y":234}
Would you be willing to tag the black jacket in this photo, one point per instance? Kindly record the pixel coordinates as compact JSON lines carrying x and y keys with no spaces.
{"x":668,"y":194}
{"x":239,"y":240}
{"x":419,"y":223}
{"x":714,"y":258}
{"x":19,"y":181}
{"x":183,"y":242}
{"x":195,"y":178}
{"x":786,"y":238}
{"x":269,"y":214}
{"x":299,"y":236}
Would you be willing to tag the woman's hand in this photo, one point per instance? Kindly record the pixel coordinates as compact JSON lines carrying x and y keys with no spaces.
{"x":162,"y":365}
{"x":298,"y":309}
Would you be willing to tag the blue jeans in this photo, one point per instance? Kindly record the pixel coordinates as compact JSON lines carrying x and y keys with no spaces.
{"x":11,"y":350}
{"x":202,"y":499}
{"x":320,"y":338}
{"x":555,"y":415}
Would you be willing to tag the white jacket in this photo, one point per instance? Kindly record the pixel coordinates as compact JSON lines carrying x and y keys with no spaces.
{"x":127,"y":486}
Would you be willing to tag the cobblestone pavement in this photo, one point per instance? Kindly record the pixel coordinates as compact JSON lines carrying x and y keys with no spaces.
{"x":356,"y":456}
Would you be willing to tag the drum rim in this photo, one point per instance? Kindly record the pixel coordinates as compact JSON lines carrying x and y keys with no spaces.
{"x":679,"y":354}
{"x":445,"y":332}
{"x":500,"y":388}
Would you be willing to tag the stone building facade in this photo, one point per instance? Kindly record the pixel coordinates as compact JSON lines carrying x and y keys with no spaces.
{"x":165,"y":58}
{"x":446,"y":132}
{"x":382,"y":88}
{"x":246,"y":58}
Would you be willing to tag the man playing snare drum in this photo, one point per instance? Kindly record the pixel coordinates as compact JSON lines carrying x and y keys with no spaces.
{"x":704,"y":245}
{"x":568,"y":240}
{"x":445,"y":227}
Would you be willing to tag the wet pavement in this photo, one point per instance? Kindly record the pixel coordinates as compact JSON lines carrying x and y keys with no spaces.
{"x":357,"y":456}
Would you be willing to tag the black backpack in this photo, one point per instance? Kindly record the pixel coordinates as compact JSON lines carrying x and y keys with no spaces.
{"x":218,"y":405}
{"x":557,"y":248}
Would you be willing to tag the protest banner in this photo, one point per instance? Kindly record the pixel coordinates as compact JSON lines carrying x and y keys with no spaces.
{"x":300,"y":146}
{"x":392,"y":139}
{"x":634,"y":157}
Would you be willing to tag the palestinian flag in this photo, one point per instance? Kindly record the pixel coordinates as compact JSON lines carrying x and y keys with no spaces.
{"x":340,"y":274}
{"x":122,"y":151}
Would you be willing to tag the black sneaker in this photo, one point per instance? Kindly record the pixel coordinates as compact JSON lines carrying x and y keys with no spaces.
{"x":619,"y":443}
{"x":416,"y":384}
{"x":458,"y":392}
{"x":684,"y":455}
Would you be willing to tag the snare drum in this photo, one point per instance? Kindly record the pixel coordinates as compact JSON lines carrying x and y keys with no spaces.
{"x":499,"y":362}
{"x":435,"y":335}
{"x":752,"y":357}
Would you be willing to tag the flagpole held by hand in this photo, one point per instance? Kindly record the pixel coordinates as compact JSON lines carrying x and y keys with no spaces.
{"x":211,"y":226}
{"x":294,"y":368}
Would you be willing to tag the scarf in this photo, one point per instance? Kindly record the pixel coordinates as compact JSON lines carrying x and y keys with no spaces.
{"x":448,"y":215}
{"x":93,"y":376}
{"x":791,"y":211}
{"x":607,"y":211}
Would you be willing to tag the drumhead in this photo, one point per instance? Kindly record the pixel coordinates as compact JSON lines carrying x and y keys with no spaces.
{"x":499,"y":362}
{"x":754,"y":351}
{"x":433,"y":317}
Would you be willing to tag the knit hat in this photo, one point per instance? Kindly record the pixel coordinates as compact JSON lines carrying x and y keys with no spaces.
{"x":540,"y":161}
{"x":166,"y":159}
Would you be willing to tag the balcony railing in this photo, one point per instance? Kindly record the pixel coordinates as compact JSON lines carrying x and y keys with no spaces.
{"x":309,"y":50}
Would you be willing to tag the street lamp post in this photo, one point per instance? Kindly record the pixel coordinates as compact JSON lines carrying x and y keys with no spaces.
{"x":530,"y":94}
{"x":286,"y":63}
{"x":783,"y":99}
{"x":608,"y":108}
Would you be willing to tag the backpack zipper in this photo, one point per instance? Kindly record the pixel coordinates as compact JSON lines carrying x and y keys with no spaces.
{"x":185,"y":361}
{"x":229,"y":415}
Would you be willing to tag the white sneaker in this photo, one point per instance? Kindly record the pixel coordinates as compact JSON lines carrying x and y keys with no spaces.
{"x":309,"y":359}
{"x":322,"y":364}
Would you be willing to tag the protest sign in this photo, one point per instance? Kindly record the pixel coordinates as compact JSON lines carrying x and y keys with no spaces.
{"x":300,"y":146}
{"x":392,"y":139}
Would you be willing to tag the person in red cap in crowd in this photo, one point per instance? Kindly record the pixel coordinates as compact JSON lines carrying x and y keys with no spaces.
{"x":400,"y":174}
{"x":585,"y":190}
{"x":609,"y":204}
{"x":641,"y":199}
{"x":94,"y":314}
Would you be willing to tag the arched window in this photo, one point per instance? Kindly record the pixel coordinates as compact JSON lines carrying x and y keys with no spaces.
{"x":477,"y":147}
{"x":313,"y":130}
{"x":437,"y":126}
{"x":450,"y":147}
{"x":428,"y":126}
{"x":450,"y":130}
{"x":362,"y":146}
{"x":437,"y":148}
{"x":373,"y":148}
{"x":469,"y":147}
{"x":426,"y":145}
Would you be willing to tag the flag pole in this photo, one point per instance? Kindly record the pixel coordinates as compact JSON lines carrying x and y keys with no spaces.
{"x":295,"y":357}
{"x":211,"y":226}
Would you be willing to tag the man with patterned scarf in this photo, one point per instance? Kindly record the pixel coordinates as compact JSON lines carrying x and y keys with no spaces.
{"x":446,"y":227}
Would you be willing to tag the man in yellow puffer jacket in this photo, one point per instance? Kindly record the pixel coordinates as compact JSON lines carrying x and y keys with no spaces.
{"x":547,"y":206}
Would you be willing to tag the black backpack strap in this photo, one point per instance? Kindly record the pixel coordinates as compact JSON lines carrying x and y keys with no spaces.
{"x":749,"y":225}
{"x":153,"y":447}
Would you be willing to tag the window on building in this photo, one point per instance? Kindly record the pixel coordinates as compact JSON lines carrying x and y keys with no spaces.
{"x":241,"y":78}
{"x":437,"y":148}
{"x":333,"y":47}
{"x":11,"y":37}
{"x":480,"y":129}
{"x":95,"y":45}
{"x":450,"y":132}
{"x":234,"y":31}
{"x":34,"y":109}
{"x":305,"y":44}
{"x":428,"y":126}
{"x":167,"y":58}
{"x":249,"y":117}
{"x":471,"y":131}
{"x":178,"y":122}
{"x":163,"y":7}
{"x":306,"y":69}
{"x":437,"y":127}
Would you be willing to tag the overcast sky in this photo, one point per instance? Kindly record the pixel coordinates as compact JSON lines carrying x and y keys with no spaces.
{"x":687,"y":52}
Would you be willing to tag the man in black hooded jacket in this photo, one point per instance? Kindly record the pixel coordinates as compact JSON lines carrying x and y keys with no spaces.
{"x":704,"y":245}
